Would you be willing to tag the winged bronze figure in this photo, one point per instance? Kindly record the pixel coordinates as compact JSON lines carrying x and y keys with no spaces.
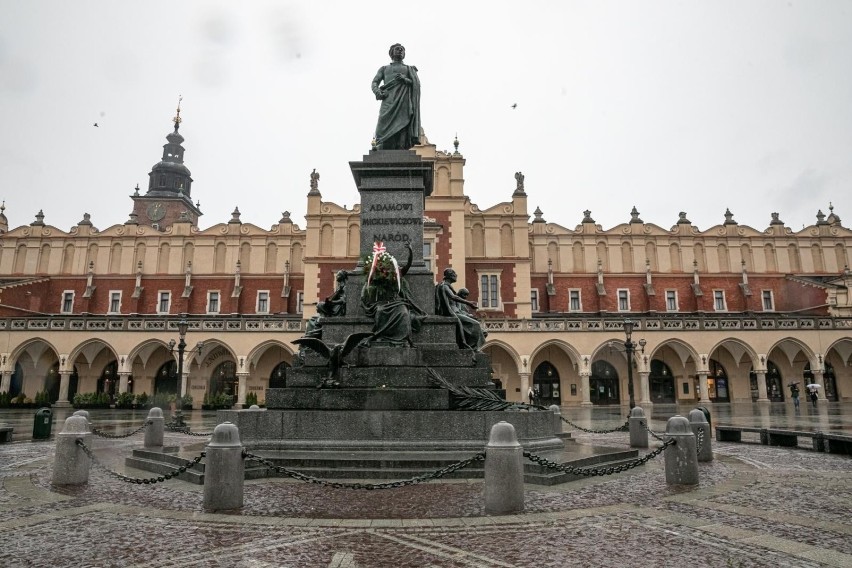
{"x":334,"y":353}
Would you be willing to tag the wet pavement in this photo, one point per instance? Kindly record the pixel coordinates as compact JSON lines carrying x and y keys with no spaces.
{"x":755,"y":506}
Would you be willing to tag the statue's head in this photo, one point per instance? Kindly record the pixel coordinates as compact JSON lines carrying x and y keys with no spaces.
{"x":341,"y":276}
{"x":397,"y":52}
{"x":450,"y":274}
{"x":464,"y":293}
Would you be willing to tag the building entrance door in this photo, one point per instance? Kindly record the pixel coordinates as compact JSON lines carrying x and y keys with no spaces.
{"x":603,"y":384}
{"x":546,"y":385}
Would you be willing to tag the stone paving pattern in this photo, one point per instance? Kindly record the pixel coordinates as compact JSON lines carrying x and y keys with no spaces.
{"x":755,"y":506}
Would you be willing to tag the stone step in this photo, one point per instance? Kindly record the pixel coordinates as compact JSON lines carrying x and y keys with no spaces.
{"x":401,"y":465}
{"x":160,"y":464}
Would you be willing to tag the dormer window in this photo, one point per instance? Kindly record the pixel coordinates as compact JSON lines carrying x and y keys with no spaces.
{"x":162,"y":181}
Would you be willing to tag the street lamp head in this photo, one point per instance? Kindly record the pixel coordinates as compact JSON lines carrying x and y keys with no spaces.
{"x":182,"y":326}
{"x":642,"y":344}
{"x":628,"y":328}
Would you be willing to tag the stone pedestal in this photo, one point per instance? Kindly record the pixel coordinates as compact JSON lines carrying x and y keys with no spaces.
{"x":393,"y":185}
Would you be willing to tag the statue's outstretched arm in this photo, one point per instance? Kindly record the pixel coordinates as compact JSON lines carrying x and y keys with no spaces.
{"x":404,"y":271}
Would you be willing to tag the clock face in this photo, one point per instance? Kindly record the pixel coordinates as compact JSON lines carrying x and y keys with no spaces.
{"x":156,"y":211}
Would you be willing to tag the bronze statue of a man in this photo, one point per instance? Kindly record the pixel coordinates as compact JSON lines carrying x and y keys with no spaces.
{"x":398,"y":87}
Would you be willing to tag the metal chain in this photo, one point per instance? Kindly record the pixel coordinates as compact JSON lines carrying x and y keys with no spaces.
{"x":699,"y":441}
{"x":159,"y":479}
{"x":103,"y":434}
{"x":654,"y":434}
{"x":623,"y":428}
{"x":592,"y":471}
{"x":185,"y":430}
{"x":437,"y":474}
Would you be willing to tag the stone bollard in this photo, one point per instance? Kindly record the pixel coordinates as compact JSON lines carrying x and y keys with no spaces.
{"x":224,"y":471}
{"x":71,"y":463}
{"x":84,"y":414}
{"x":681,"y":458}
{"x":156,"y":427}
{"x":254,"y":407}
{"x":504,"y":472}
{"x":698,"y":423}
{"x":557,"y":420}
{"x":638,"y":430}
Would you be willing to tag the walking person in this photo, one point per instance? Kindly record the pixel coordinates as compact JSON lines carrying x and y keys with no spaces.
{"x":814,"y":397}
{"x":531,"y":395}
{"x":794,"y":394}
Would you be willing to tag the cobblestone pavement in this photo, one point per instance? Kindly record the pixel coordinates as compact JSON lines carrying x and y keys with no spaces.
{"x":755,"y":506}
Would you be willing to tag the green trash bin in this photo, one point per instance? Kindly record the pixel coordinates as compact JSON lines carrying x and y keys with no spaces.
{"x":42,"y":424}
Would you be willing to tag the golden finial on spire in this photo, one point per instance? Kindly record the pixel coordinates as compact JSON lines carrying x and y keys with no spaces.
{"x":177,"y":119}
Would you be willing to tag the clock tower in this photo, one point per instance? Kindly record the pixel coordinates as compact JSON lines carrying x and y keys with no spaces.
{"x":169,"y":195}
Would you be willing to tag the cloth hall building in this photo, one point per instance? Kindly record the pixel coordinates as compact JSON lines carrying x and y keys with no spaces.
{"x":727,"y":314}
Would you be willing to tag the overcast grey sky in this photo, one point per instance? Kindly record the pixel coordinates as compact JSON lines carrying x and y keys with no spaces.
{"x":671,"y":106}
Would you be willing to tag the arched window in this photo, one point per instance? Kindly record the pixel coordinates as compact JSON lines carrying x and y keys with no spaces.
{"x":717,"y":383}
{"x":627,"y":257}
{"x":674,"y":258}
{"x":224,"y":380}
{"x":546,"y":384}
{"x":278,"y":376}
{"x":477,"y":237}
{"x":108,"y":381}
{"x":166,"y":379}
{"x":507,"y":240}
{"x":661,"y":382}
{"x":326,"y":238}
{"x":603,"y":384}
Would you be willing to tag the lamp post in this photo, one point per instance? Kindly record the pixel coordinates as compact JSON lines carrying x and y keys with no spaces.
{"x":182,"y":326}
{"x":629,"y":346}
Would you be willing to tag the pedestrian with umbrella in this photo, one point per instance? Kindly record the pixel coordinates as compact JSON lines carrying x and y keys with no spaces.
{"x":794,"y":394}
{"x":813,"y":388}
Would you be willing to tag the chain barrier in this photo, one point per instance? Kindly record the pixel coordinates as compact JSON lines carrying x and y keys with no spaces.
{"x":172,"y":427}
{"x":437,"y":474}
{"x":654,"y":434}
{"x":699,"y":441}
{"x":127,"y":479}
{"x":103,"y":434}
{"x":593,"y":471}
{"x":623,"y":428}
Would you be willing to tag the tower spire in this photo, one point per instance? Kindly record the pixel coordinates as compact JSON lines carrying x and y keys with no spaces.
{"x":177,"y":119}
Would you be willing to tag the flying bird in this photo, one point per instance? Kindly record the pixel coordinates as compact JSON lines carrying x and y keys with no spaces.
{"x":96,"y":125}
{"x":515,"y":105}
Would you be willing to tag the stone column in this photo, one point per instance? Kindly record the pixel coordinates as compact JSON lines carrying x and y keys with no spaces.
{"x":584,"y":389}
{"x":241,"y":389}
{"x":123,"y":378}
{"x":184,"y":384}
{"x":5,"y":381}
{"x":64,"y":385}
{"x":761,"y":386}
{"x":644,"y":388}
{"x":525,"y":386}
{"x":703,"y":392}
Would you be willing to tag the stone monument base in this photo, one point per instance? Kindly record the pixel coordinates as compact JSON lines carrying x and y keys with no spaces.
{"x":388,"y":430}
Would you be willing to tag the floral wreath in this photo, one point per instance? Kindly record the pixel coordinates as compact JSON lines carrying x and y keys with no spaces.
{"x":384,"y":270}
